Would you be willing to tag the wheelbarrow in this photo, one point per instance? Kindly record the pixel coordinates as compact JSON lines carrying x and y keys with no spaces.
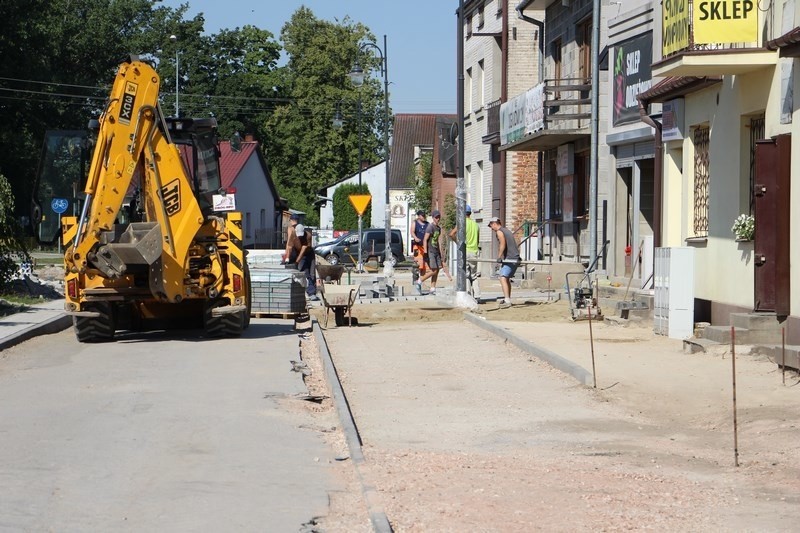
{"x":330,"y":273}
{"x":340,"y":300}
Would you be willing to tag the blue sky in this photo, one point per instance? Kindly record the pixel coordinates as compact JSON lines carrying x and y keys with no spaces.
{"x":421,"y":39}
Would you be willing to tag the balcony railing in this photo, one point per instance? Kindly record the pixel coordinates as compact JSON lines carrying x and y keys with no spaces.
{"x":550,"y":113}
{"x":566,"y":99}
{"x":492,"y":123}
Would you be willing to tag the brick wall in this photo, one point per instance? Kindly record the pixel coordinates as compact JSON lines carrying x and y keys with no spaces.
{"x":523,"y":188}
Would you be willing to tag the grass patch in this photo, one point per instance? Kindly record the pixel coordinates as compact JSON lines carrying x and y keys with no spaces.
{"x":18,"y":299}
{"x":48,"y":261}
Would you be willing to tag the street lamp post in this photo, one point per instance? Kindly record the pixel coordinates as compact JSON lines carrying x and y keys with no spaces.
{"x":360,"y":142}
{"x":338,"y":122}
{"x":174,"y":39}
{"x":357,"y":77}
{"x":461,"y":192}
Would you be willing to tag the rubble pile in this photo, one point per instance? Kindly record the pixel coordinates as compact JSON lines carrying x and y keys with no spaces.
{"x":46,"y":283}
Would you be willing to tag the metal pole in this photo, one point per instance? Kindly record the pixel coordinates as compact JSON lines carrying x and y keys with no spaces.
{"x":360,"y":165}
{"x":388,"y":269}
{"x":360,"y":267}
{"x":594,"y":130}
{"x":591,"y":343}
{"x":461,"y":193}
{"x":177,"y":73}
{"x":358,"y":121}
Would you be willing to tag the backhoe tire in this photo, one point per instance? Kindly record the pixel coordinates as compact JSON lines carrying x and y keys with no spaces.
{"x":228,"y":325}
{"x":249,"y":295}
{"x":95,"y":329}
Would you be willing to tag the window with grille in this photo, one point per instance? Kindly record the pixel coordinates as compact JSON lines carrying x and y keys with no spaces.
{"x":757,"y":133}
{"x":468,"y":88}
{"x":701,"y":181}
{"x":556,"y":53}
{"x":555,"y":187}
{"x":585,"y":42}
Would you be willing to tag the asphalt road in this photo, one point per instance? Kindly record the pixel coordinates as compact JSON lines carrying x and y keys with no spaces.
{"x":160,"y":432}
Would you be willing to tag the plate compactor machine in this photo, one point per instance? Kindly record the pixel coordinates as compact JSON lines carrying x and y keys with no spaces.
{"x":583,"y":297}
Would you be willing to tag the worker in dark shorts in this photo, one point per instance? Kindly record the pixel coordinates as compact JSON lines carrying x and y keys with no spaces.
{"x":306,"y":260}
{"x":417,"y":250}
{"x":433,"y":254}
{"x":508,"y":257}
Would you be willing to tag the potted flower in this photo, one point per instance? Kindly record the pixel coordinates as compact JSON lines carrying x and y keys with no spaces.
{"x":744,"y":227}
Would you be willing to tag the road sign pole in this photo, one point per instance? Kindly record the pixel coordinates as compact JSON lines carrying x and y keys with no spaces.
{"x":360,"y":203}
{"x":360,"y":255}
{"x":59,"y":207}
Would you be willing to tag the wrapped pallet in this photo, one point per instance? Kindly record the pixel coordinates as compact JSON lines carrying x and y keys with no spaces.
{"x":278,"y":290}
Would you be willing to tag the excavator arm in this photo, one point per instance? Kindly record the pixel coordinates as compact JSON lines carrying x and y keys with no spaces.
{"x":133,"y":141}
{"x":150,"y":244}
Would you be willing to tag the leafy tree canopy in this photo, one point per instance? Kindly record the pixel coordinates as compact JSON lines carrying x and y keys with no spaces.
{"x":422,"y":182}
{"x":59,"y":65}
{"x":12,"y":245}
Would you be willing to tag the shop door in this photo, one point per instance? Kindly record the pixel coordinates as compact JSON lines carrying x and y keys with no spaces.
{"x":771,"y":244}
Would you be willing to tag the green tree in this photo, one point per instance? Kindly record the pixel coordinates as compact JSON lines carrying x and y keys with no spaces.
{"x":58,"y":65}
{"x":305,"y":152}
{"x":12,"y":245}
{"x":422,"y":182}
{"x":232,"y":75}
{"x":344,"y":214}
{"x":449,"y":212}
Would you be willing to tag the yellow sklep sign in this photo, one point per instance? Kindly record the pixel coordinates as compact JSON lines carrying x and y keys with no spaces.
{"x":725,"y":21}
{"x":675,"y":26}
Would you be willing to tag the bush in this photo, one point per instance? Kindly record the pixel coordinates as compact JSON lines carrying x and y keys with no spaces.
{"x":12,"y":239}
{"x":345,"y":217}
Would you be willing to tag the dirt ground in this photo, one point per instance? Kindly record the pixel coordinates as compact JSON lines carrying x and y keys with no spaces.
{"x":657,"y":454}
{"x":654,"y":448}
{"x":429,"y":310}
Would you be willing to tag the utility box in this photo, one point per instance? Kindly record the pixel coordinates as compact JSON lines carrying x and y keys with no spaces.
{"x":673,"y":278}
{"x":278,"y":290}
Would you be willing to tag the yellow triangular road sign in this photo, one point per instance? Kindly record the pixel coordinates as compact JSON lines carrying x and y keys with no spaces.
{"x":360,"y":202}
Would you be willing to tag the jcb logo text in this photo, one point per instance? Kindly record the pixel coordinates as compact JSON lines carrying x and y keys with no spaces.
{"x":171,"y":192}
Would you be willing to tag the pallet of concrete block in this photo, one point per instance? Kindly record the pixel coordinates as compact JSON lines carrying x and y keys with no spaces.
{"x":278,"y":292}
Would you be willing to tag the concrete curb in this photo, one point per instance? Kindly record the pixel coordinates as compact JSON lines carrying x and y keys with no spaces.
{"x":51,"y":325}
{"x":380,"y":522}
{"x":583,"y":376}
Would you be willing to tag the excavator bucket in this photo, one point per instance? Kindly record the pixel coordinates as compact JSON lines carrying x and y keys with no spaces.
{"x":138,"y":246}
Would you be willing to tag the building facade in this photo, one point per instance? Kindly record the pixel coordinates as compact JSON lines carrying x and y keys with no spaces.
{"x":730,"y":148}
{"x":631,"y":208}
{"x":500,"y":59}
{"x":553,"y":118}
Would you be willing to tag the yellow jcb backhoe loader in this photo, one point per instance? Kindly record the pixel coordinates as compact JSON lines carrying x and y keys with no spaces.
{"x":154,"y":244}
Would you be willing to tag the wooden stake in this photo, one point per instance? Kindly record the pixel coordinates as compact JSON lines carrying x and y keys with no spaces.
{"x":591,"y":343}
{"x":783,"y":355}
{"x":633,"y":271}
{"x":733,"y":377}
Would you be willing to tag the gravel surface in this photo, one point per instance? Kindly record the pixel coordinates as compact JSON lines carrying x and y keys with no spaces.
{"x":462,"y":432}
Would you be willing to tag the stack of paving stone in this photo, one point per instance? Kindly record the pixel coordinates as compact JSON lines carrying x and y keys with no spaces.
{"x":278,"y":291}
